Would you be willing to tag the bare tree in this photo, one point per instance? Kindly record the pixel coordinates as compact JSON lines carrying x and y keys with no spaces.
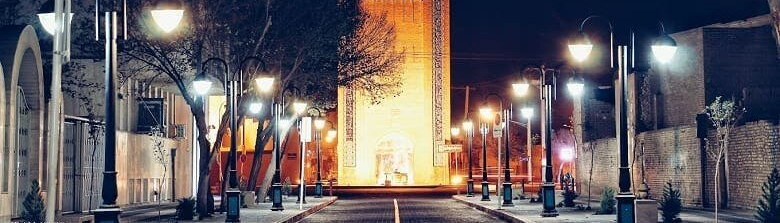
{"x":724,"y":115}
{"x":306,"y":43}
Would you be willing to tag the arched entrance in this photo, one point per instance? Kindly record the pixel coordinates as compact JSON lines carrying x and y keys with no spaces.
{"x":394,"y":160}
{"x":22,"y":110}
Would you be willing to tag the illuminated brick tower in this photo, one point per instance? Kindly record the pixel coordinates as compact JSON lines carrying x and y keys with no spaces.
{"x":398,"y":140}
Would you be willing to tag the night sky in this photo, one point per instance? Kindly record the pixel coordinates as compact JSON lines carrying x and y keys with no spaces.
{"x":493,"y":39}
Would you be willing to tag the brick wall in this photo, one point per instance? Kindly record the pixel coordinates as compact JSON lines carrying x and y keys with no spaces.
{"x":753,"y":151}
{"x":679,"y":85}
{"x":737,"y":58}
{"x":599,"y":119}
{"x":605,"y":160}
{"x":672,"y":154}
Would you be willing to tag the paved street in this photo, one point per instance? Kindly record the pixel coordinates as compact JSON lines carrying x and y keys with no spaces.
{"x":404,"y":205}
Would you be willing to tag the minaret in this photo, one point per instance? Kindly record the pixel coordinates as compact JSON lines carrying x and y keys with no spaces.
{"x":397,"y":141}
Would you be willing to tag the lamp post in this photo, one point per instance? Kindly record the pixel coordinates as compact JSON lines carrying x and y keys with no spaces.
{"x":506,"y":186}
{"x":109,"y":210}
{"x":299,"y":108}
{"x":57,"y":24}
{"x":233,"y":88}
{"x":664,"y":48}
{"x":528,"y":113}
{"x":454,"y":133}
{"x":319,"y":125}
{"x":468,"y":126}
{"x":545,"y":87}
{"x":483,"y":129}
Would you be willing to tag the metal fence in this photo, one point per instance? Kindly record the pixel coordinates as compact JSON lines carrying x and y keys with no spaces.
{"x":83,"y":162}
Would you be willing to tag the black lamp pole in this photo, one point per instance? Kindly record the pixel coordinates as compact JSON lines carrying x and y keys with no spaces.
{"x":109,"y":210}
{"x":485,"y":188}
{"x":470,"y":181}
{"x":276,"y":188}
{"x":506,"y":186}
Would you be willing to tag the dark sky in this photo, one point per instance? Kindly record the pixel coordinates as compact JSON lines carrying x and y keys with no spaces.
{"x":492,"y":39}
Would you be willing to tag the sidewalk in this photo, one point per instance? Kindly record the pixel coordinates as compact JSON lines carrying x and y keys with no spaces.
{"x":260,"y":212}
{"x":525,"y":211}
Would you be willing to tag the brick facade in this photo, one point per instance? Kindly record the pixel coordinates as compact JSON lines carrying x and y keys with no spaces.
{"x":673,"y":154}
{"x":717,"y":60}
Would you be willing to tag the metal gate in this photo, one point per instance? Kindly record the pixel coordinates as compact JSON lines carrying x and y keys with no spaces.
{"x":82,"y":164}
{"x":22,"y":150}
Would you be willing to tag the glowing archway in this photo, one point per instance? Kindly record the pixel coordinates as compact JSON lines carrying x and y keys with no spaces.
{"x":394,"y":160}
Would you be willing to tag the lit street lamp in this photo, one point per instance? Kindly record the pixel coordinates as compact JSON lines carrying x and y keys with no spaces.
{"x":109,"y":210}
{"x":545,"y":88}
{"x":528,"y":113}
{"x":279,"y":126}
{"x":319,"y":125}
{"x":57,"y":24}
{"x":232,"y":89}
{"x":483,"y":129}
{"x":468,"y":126}
{"x":503,"y":124}
{"x":664,"y":48}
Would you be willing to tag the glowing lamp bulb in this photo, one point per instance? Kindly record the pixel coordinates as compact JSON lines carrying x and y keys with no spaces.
{"x":255,"y":107}
{"x":167,"y":19}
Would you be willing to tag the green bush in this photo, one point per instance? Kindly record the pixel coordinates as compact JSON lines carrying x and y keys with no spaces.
{"x":34,"y":211}
{"x":185,"y":210}
{"x":769,"y":205}
{"x":607,"y":201}
{"x":671,"y":204}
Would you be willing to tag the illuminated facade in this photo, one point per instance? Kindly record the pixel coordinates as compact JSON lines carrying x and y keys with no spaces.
{"x":397,"y":141}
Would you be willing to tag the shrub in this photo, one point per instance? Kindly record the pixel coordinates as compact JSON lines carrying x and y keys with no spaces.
{"x":670,"y":204}
{"x":607,"y":201}
{"x":34,"y":211}
{"x":185,"y":210}
{"x":769,"y":205}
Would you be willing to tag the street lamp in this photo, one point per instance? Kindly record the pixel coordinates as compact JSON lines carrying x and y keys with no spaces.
{"x":109,"y":210}
{"x":483,"y":129}
{"x":527,"y":112}
{"x":48,"y":17}
{"x":576,"y":85}
{"x":319,"y":125}
{"x":280,"y":125}
{"x":548,"y":187}
{"x":202,"y":85}
{"x":57,"y":24}
{"x":255,"y":107}
{"x":504,"y":119}
{"x":521,"y":87}
{"x":664,"y":49}
{"x":468,"y":126}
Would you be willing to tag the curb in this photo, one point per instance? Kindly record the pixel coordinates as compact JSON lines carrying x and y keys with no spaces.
{"x":500,"y":214}
{"x":310,"y":211}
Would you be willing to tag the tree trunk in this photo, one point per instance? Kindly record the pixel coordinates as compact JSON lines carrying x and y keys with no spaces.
{"x":774,"y":11}
{"x":262,"y":138}
{"x":269,"y":172}
{"x":203,"y":170}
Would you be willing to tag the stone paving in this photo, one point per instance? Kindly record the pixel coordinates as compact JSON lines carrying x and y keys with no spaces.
{"x":260,"y":212}
{"x":525,"y":211}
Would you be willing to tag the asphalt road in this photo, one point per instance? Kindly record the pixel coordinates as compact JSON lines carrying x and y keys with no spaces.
{"x":390,"y":205}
